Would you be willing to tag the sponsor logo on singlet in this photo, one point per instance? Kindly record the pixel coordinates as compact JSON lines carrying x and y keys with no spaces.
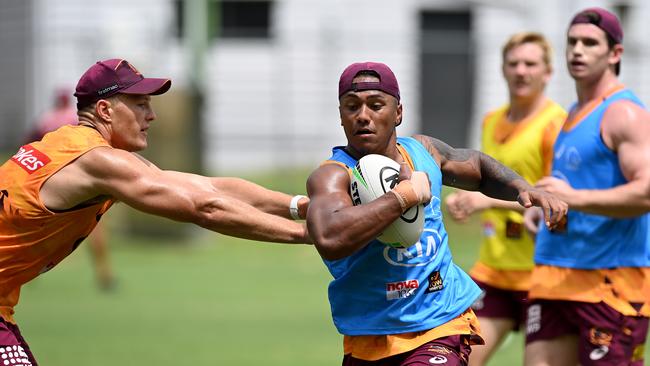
{"x":419,"y":254}
{"x":488,"y":229}
{"x":435,"y":282}
{"x":401,"y":289}
{"x":30,"y":159}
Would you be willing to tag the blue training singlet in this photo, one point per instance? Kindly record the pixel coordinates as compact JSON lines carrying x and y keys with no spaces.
{"x":384,"y":290}
{"x":593,"y":241}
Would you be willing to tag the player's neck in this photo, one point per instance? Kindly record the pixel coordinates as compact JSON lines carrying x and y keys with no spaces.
{"x":521,"y":109}
{"x":100,"y":128}
{"x":589,"y":90}
{"x":391,"y":151}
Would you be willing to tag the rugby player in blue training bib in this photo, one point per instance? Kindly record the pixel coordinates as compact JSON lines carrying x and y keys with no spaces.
{"x":590,"y":288}
{"x":399,"y":306}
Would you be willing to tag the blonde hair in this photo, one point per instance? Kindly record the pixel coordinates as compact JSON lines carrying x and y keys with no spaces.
{"x":518,"y":39}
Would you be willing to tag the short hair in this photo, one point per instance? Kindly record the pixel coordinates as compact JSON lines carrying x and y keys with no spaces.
{"x":518,"y":39}
{"x":90,"y":108}
{"x":367,"y":73}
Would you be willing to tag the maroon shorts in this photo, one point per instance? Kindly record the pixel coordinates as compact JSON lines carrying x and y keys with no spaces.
{"x":449,"y":351}
{"x":498,"y":303}
{"x":605,"y":336}
{"x":13,"y":348}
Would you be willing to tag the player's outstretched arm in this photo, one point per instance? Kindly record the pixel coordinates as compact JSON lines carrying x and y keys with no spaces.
{"x":174,"y":195}
{"x":337,"y":227}
{"x":264,"y":199}
{"x":473,"y":170}
{"x":462,"y":204}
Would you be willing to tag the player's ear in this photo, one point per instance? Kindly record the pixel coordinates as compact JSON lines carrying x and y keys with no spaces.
{"x":103,"y":109}
{"x":616,"y":53}
{"x":398,"y":121}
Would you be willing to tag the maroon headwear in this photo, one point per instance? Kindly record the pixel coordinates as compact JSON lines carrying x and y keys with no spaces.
{"x":109,"y":77}
{"x":602,"y":19}
{"x":387,"y":80}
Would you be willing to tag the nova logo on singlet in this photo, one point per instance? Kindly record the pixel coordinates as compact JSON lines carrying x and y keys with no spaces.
{"x":401,"y":289}
{"x":30,"y":159}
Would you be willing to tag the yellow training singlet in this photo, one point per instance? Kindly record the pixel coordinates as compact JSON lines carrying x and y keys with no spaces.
{"x":34,"y":239}
{"x":526,"y":147}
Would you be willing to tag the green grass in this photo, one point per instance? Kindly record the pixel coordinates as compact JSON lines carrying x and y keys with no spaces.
{"x":216,"y":301}
{"x":209,"y":300}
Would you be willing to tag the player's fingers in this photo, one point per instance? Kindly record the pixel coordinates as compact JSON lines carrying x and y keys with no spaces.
{"x":560,"y":209}
{"x":543,"y":181}
{"x":456,"y":213}
{"x":524,"y":199}
{"x":451,"y":200}
{"x":546,"y":208}
{"x":404,"y":171}
{"x":531,"y":220}
{"x":421,"y":181}
{"x":452,"y":208}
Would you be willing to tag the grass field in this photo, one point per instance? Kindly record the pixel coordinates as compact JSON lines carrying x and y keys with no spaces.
{"x":210,"y":300}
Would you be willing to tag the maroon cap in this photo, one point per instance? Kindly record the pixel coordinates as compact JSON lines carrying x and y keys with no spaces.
{"x":602,"y":19}
{"x":109,"y":77}
{"x":387,"y":80}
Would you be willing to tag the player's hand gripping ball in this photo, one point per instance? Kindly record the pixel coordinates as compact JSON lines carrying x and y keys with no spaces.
{"x":375,"y":175}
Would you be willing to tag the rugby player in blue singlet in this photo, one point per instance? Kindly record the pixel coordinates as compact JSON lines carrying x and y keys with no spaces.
{"x":400,"y":306}
{"x":590,"y":288}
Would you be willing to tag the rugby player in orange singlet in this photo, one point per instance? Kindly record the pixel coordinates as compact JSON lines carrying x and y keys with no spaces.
{"x":62,"y":113}
{"x":54,"y":191}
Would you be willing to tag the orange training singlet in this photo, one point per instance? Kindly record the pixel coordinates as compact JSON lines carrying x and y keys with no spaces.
{"x":34,"y":239}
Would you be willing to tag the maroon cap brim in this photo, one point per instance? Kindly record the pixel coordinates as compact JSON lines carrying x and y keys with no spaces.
{"x":148,"y":86}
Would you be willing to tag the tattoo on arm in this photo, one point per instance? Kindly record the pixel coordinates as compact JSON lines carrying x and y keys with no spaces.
{"x":460,"y":167}
{"x":472,"y":170}
{"x":490,"y":167}
{"x":443,"y":152}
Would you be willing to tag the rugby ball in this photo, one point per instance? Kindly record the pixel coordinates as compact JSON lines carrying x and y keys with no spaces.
{"x":372,"y":177}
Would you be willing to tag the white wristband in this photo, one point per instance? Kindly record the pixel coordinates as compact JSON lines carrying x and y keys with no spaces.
{"x":293,"y":207}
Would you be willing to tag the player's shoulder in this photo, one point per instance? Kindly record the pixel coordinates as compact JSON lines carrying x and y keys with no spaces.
{"x":625,"y":114}
{"x":494,"y":116}
{"x":495,"y":113}
{"x":626,"y":108}
{"x":555,"y":109}
{"x":625,"y":120}
{"x":425,"y":140}
{"x":330,"y":168}
{"x":330,"y":173}
{"x":103,"y":160}
{"x":432,"y":144}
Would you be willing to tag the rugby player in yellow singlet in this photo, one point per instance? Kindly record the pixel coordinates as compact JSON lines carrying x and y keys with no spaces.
{"x":520,"y":135}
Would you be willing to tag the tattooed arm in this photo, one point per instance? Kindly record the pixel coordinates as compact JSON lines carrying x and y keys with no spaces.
{"x":472,"y":170}
{"x":475,"y":171}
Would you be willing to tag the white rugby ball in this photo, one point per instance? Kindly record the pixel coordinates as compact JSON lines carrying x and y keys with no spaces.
{"x":375,"y":175}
